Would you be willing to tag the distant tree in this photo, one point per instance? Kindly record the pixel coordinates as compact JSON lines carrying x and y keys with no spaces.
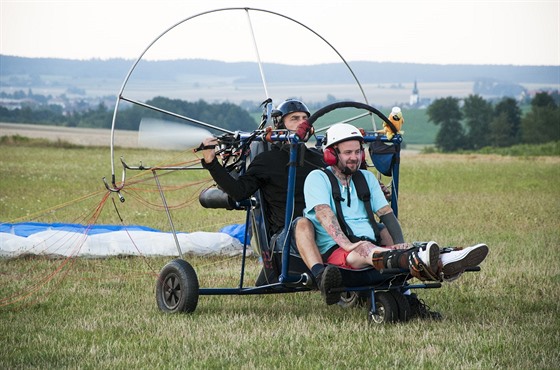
{"x":128,"y":118}
{"x":446,"y":113}
{"x":26,"y":115}
{"x":225,"y":115}
{"x":543,"y":99}
{"x":512,"y":130}
{"x":478,"y":114}
{"x":555,"y":95}
{"x":542,"y":123}
{"x":50,"y":115}
{"x":7,"y":115}
{"x":499,"y":129}
{"x":99,"y":117}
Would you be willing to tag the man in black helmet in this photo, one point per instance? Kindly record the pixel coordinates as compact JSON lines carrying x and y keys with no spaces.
{"x":268,"y":172}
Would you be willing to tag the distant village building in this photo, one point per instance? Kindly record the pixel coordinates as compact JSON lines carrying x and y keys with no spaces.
{"x":414,"y":96}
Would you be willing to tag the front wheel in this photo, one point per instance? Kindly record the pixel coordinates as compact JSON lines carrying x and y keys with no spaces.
{"x":177,"y":287}
{"x":386,"y":310}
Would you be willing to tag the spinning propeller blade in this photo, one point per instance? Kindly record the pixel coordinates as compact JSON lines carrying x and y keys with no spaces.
{"x":161,"y":134}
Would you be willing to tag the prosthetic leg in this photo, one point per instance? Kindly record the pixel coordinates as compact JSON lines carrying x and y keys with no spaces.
{"x":422,"y":261}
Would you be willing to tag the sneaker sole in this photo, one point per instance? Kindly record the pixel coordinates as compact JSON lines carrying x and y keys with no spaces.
{"x":473,"y":258}
{"x":331,"y":279}
{"x":434,"y":256}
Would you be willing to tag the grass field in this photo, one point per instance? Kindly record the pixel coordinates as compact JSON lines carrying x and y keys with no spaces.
{"x":101,"y":313}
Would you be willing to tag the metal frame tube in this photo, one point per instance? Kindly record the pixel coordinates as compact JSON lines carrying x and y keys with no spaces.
{"x":168,"y":214}
{"x":134,"y":65}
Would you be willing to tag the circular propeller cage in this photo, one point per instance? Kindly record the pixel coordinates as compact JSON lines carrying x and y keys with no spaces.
{"x":250,"y":14}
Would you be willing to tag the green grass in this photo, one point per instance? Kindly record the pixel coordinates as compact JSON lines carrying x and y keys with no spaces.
{"x":526,"y":150}
{"x":101,"y":313}
{"x":529,"y":151}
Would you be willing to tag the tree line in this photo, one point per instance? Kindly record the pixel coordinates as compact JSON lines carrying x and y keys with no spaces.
{"x":225,"y":115}
{"x":468,"y":124}
{"x":474,"y":123}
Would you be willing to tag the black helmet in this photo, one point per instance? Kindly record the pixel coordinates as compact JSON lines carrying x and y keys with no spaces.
{"x":286,"y":107}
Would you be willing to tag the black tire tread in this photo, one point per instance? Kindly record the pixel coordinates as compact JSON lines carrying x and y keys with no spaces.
{"x":180,"y":274}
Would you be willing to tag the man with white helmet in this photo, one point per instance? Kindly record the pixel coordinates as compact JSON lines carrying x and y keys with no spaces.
{"x":349,"y":240}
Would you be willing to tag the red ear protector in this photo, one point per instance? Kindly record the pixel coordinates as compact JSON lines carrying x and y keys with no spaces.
{"x":330,"y":156}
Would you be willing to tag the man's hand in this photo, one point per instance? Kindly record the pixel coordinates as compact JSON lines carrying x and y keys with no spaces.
{"x":209,"y":153}
{"x":385,"y":191}
{"x":362,"y":243}
{"x":303,"y":130}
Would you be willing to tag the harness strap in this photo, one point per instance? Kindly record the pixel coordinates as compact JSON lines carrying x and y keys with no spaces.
{"x":363,"y":194}
{"x":337,"y":196}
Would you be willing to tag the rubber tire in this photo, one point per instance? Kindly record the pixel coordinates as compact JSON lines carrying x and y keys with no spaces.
{"x":386,"y":309}
{"x":352,"y":299}
{"x":403,"y":307}
{"x":177,"y":287}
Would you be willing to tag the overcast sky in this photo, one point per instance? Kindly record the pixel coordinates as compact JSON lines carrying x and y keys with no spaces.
{"x":442,"y":32}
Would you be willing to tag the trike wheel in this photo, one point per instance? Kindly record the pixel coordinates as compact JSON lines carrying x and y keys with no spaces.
{"x":177,"y":287}
{"x":352,"y":299}
{"x":386,"y":310}
{"x":403,"y":307}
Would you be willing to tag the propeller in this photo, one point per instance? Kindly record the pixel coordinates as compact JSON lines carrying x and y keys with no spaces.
{"x":161,"y":134}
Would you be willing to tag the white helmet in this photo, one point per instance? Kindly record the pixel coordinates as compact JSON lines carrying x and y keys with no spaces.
{"x":341,"y":132}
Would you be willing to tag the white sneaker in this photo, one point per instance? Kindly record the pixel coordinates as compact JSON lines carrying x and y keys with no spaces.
{"x":423,"y":263}
{"x":455,"y":263}
{"x":430,"y":255}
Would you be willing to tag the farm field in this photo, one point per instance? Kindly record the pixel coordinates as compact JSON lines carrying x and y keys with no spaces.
{"x":101,"y":313}
{"x":72,"y":135}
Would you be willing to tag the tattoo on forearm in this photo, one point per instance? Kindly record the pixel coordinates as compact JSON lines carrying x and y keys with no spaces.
{"x":328,"y":220}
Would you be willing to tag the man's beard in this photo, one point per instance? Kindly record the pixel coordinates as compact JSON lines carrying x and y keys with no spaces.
{"x":346,"y":170}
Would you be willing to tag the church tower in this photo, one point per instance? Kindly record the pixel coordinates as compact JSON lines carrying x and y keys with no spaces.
{"x":414,"y":97}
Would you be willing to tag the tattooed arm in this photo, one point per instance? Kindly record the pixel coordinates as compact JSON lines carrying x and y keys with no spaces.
{"x":328,"y":220}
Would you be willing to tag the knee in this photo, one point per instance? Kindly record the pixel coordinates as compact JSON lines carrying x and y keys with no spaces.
{"x":305,"y":233}
{"x":305,"y":226}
